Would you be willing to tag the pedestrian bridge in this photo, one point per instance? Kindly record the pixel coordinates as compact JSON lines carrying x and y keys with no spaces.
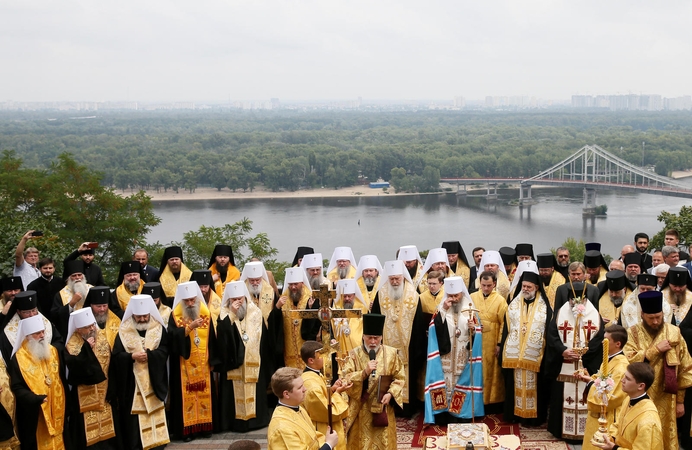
{"x":590,"y":168}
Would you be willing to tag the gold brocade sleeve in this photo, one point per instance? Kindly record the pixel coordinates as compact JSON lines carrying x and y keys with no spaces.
{"x":315,"y":402}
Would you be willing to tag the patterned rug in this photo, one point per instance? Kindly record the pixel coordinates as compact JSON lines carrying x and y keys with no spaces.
{"x":494,"y":422}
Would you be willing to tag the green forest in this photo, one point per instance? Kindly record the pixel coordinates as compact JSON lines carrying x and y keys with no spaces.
{"x":290,"y":149}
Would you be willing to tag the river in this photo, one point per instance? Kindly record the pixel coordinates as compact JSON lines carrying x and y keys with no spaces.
{"x":379,"y":225}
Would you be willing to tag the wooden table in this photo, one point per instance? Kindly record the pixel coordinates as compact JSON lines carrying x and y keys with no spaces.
{"x":498,"y":442}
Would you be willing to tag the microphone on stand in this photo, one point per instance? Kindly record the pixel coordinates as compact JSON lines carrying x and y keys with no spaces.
{"x":372,"y":355}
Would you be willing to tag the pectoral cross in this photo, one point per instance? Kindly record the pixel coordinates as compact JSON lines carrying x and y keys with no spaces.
{"x":565,"y":328}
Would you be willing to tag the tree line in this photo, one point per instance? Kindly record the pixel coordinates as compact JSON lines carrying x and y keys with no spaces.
{"x":289,"y":150}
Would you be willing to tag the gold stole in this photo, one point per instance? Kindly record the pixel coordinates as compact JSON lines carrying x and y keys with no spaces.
{"x":43,"y":378}
{"x":429,"y":302}
{"x":214,"y":306}
{"x":349,"y":332}
{"x":12,"y":328}
{"x":463,"y":271}
{"x":7,"y":401}
{"x":149,"y":409}
{"x":680,"y":312}
{"x":601,"y":277}
{"x":608,"y":310}
{"x":574,"y":409}
{"x":292,"y":338}
{"x":245,"y":377}
{"x":265,"y":302}
{"x":98,"y":415}
{"x":66,"y":295}
{"x":233,"y":274}
{"x":369,"y":295}
{"x":194,"y":372}
{"x":523,"y":352}
{"x":124,"y":294}
{"x":398,"y":324}
{"x":165,"y":312}
{"x":112,"y":329}
{"x":168,"y":282}
{"x":556,"y":280}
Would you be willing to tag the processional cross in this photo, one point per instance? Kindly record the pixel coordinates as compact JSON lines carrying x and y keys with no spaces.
{"x":325,"y":315}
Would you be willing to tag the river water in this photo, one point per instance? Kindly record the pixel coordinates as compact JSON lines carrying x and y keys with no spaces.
{"x":388,"y":222}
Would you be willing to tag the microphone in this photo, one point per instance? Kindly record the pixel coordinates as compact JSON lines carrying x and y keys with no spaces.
{"x":372,"y":355}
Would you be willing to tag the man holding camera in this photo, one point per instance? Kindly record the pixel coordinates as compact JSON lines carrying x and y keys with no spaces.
{"x":25,"y":259}
{"x":92,"y":272}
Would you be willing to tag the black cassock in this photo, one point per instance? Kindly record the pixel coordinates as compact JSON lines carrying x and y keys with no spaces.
{"x":230,"y":354}
{"x":122,"y":365}
{"x":85,"y":369}
{"x":28,"y":406}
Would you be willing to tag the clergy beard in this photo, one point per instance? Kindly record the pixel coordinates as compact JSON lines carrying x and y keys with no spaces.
{"x":396,"y":292}
{"x":295,"y":296}
{"x":39,"y":348}
{"x":343,"y":272}
{"x":652,"y":331}
{"x":192,"y":312}
{"x":546,"y":280}
{"x":594,"y":278}
{"x":242,"y":311}
{"x":91,"y":334}
{"x":677,"y":297}
{"x":563,"y":264}
{"x":412,"y":271}
{"x":632,"y":279}
{"x":223,"y":271}
{"x":101,"y":319}
{"x":348,"y":305}
{"x":255,"y":290}
{"x":315,"y":282}
{"x":79,"y":287}
{"x":369,"y":281}
{"x":456,"y":307}
{"x":373,"y":347}
{"x":132,"y":287}
{"x":617,"y":299}
{"x":529,"y":295}
{"x":142,"y":326}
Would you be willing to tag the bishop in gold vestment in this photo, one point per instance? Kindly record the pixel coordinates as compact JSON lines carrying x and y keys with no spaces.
{"x":139,"y":360}
{"x":36,"y":375}
{"x":88,"y":358}
{"x":172,"y":272}
{"x":643,"y":344}
{"x":8,"y":437}
{"x":222,"y":267}
{"x":189,"y":329}
{"x":130,"y":283}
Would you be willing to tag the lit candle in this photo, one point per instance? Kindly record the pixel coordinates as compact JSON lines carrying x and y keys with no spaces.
{"x":605,"y":357}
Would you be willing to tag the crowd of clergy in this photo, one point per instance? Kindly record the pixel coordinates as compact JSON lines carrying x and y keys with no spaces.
{"x":332,"y":357}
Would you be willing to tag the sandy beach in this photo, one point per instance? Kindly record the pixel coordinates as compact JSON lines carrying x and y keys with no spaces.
{"x":260,"y":192}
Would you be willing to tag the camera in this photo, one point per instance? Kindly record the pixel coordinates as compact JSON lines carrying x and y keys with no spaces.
{"x":37,"y":233}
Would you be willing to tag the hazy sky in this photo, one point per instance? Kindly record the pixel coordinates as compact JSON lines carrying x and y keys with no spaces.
{"x":173,"y":50}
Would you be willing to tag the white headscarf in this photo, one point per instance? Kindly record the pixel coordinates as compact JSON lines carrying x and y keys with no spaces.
{"x":435,"y":255}
{"x":80,"y":318}
{"x":523,"y":266}
{"x":296,"y":275}
{"x":254,"y":269}
{"x":456,"y":285}
{"x":341,"y":253}
{"x":348,"y":287}
{"x":141,"y":305}
{"x":409,"y":253}
{"x":491,"y":257}
{"x":392,"y":268}
{"x":27,"y":326}
{"x":368,"y":262}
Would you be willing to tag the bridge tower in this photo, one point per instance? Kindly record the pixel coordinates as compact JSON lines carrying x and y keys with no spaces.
{"x":589,"y":207}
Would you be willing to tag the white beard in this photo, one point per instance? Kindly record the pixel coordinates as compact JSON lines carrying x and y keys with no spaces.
{"x":79,"y":287}
{"x":315,"y":283}
{"x":255,"y":290}
{"x":369,"y":281}
{"x":101,"y":319}
{"x":193,"y":312}
{"x":242,"y":311}
{"x":142,"y":326}
{"x":396,"y":292}
{"x":456,"y":307}
{"x":343,"y":272}
{"x":40,"y":349}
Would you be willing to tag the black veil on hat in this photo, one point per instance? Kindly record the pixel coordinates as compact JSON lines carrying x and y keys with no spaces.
{"x":678,"y":276}
{"x":531,"y":277}
{"x":168,"y":253}
{"x":23,"y":301}
{"x":98,"y":295}
{"x":222,"y":250}
{"x":508,"y":255}
{"x":594,"y":258}
{"x":546,"y":261}
{"x":455,"y":247}
{"x":647,"y":279}
{"x":524,"y":249}
{"x":129,"y":267}
{"x":300,"y":253}
{"x":12,"y":284}
{"x":202,"y":277}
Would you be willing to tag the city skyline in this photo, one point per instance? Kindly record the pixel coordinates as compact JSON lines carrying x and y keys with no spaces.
{"x":215,"y":50}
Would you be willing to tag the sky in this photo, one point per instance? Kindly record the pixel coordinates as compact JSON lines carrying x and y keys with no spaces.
{"x":254,"y":50}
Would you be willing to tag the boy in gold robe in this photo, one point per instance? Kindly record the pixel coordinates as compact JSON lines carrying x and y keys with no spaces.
{"x":317,"y":397}
{"x":638,"y":425}
{"x":291,"y":427}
